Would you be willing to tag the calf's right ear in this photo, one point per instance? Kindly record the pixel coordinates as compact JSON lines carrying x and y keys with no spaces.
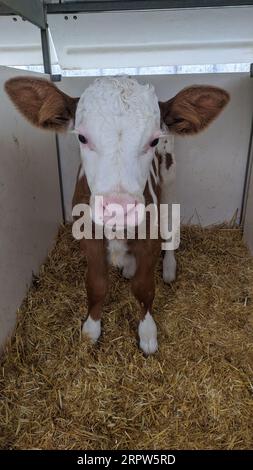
{"x":42,"y":103}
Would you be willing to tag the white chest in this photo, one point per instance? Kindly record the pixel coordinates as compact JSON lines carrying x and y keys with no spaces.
{"x":116,"y":252}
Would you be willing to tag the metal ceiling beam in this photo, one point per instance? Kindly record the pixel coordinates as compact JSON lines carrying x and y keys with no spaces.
{"x":120,"y":5}
{"x":31,"y":10}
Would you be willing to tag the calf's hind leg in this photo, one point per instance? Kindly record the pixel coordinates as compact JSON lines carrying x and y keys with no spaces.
{"x":168,"y":171}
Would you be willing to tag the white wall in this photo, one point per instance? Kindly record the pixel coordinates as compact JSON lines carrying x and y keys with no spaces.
{"x":30,"y":207}
{"x":210,"y":166}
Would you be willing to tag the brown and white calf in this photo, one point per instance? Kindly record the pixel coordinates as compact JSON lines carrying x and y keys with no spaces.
{"x":127,"y":156}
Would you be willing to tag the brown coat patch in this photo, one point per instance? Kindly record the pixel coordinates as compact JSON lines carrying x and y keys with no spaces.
{"x":168,"y":160}
{"x":82,"y":190}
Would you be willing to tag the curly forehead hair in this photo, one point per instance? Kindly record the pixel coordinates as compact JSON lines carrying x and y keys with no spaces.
{"x":120,"y":95}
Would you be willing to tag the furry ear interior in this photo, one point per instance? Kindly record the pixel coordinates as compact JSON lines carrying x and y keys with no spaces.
{"x":193,"y":108}
{"x":41,"y":102}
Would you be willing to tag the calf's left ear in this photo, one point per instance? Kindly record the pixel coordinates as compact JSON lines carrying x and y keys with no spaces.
{"x":193,"y":109}
{"x":41,"y":102}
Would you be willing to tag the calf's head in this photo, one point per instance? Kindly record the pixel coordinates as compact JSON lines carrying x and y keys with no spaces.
{"x":119,"y":123}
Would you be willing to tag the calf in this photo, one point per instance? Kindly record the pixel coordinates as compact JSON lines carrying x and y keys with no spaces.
{"x":127,"y":157}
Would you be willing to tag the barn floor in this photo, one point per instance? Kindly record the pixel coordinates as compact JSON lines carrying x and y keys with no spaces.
{"x":59,"y":392}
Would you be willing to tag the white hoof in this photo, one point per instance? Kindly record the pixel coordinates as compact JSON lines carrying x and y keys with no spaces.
{"x":169,"y":267}
{"x":129,"y":268}
{"x":92,"y":328}
{"x":148,"y":334}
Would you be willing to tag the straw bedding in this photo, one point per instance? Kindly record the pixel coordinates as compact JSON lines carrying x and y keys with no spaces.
{"x":60,"y":392}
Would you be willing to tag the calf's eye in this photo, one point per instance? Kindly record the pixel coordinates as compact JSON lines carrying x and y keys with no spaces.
{"x":154,"y":142}
{"x":82,"y":139}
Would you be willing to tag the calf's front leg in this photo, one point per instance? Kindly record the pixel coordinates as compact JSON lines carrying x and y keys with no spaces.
{"x":96,"y":287}
{"x":143,"y":287}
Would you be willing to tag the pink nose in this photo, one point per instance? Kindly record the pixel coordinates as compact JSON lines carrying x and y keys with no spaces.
{"x":120,"y":208}
{"x":124,"y":202}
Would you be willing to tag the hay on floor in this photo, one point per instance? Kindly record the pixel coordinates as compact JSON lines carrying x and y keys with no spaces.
{"x":59,"y":392}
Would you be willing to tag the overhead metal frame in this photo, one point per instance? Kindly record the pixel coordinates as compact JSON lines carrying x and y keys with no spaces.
{"x":31,"y":10}
{"x":35,"y":11}
{"x":48,"y":69}
{"x":46,"y":50}
{"x":121,"y":5}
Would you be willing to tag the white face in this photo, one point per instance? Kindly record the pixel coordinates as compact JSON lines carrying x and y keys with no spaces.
{"x":118,"y":119}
